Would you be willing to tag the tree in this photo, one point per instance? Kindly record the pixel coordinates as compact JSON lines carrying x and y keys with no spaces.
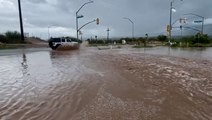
{"x":2,"y":39}
{"x":162,"y":38}
{"x":201,"y":39}
{"x":13,"y":37}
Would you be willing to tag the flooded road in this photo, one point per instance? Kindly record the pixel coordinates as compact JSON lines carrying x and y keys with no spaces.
{"x":88,"y":84}
{"x":194,"y":53}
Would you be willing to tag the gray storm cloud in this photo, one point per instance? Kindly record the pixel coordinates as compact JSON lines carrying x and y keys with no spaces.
{"x":36,"y":1}
{"x":149,"y":16}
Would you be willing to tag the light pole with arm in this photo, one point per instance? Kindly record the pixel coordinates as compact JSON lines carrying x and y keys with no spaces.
{"x":170,"y":20}
{"x":132,"y":26}
{"x":77,"y":17}
{"x":203,"y":18}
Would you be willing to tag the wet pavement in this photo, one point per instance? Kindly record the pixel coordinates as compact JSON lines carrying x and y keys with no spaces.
{"x":91,"y":84}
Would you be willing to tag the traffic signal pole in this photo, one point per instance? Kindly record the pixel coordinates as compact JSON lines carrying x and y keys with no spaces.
{"x":97,"y":22}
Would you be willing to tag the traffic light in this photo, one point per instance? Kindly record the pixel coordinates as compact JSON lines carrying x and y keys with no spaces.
{"x":182,"y":20}
{"x":97,"y":21}
{"x":168,"y":28}
{"x":181,"y":27}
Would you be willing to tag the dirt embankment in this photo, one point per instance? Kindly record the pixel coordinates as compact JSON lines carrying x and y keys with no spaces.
{"x":30,"y":43}
{"x":33,"y":42}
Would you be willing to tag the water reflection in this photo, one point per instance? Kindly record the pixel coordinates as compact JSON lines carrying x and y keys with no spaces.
{"x":60,"y":54}
{"x":24,"y":76}
{"x":24,"y":64}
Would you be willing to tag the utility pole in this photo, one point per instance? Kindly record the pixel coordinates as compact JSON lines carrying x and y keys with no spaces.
{"x":21,"y":22}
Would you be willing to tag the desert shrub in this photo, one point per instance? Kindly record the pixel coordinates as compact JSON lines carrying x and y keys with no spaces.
{"x":13,"y":37}
{"x":162,"y":38}
{"x":2,"y":39}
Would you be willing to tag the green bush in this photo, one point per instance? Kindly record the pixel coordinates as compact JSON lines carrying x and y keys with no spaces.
{"x":3,"y":39}
{"x":201,"y":39}
{"x":162,"y":38}
{"x":13,"y":37}
{"x":194,"y":41}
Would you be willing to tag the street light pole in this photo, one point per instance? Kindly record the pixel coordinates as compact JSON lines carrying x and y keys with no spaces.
{"x":48,"y":33}
{"x":170,"y":20}
{"x":132,"y":26}
{"x":77,"y":26}
{"x":77,"y":17}
{"x":21,"y":22}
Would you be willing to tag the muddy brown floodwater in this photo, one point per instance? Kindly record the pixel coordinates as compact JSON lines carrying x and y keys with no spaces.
{"x":89,"y":84}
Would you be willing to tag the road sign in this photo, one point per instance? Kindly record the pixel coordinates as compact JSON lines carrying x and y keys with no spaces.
{"x":198,"y":21}
{"x":80,"y":16}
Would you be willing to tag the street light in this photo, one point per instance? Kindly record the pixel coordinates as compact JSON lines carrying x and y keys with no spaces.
{"x":203,"y":18}
{"x":170,"y":20}
{"x":132,"y":26}
{"x":80,"y":16}
{"x":48,"y":33}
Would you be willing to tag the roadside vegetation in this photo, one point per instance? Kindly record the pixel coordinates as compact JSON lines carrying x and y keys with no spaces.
{"x":161,"y":40}
{"x":136,"y":41}
{"x":193,"y":41}
{"x":10,"y":38}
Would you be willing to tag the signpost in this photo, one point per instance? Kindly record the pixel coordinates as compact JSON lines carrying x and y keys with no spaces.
{"x":198,"y":21}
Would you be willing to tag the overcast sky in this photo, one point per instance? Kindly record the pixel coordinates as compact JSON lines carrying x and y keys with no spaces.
{"x":149,"y":16}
